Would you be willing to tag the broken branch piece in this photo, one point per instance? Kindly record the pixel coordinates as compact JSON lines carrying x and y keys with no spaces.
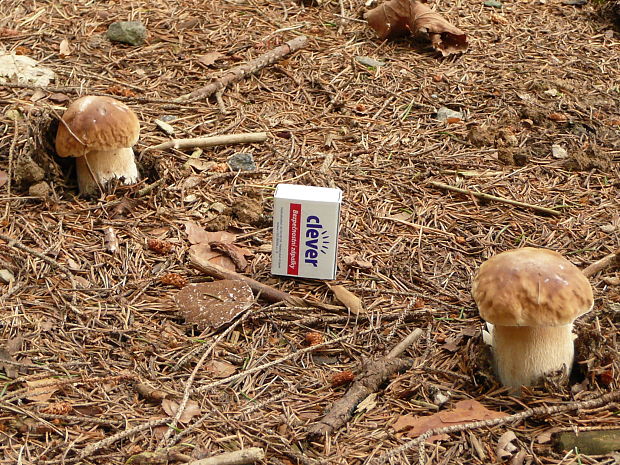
{"x":239,"y":72}
{"x":374,"y":375}
{"x":226,"y":139}
{"x":482,"y":195}
{"x":266,"y":292}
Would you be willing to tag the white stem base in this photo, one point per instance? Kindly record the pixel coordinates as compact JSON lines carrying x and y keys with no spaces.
{"x":523,"y":355}
{"x":106,"y":165}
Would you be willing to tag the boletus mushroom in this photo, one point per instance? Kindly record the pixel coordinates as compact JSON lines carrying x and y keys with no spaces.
{"x":531,"y":297}
{"x":100,"y":133}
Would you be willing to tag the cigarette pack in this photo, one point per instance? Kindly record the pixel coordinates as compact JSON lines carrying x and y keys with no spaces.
{"x":305,"y":231}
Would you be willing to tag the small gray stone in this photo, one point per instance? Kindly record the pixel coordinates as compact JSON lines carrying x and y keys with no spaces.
{"x":370,"y":62}
{"x":444,"y":113}
{"x":241,"y":162}
{"x":127,"y":32}
{"x":557,"y":151}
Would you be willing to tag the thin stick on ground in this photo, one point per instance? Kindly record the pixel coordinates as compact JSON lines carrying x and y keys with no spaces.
{"x":510,"y":419}
{"x":239,"y":72}
{"x":602,"y":264}
{"x":237,"y":457}
{"x":225,"y":139}
{"x":92,"y":448}
{"x":188,"y":385}
{"x":267,"y":292}
{"x":14,"y":243}
{"x":374,"y":375}
{"x":482,"y":195}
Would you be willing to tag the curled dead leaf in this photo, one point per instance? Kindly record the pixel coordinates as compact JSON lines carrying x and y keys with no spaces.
{"x":214,"y":304}
{"x":397,"y":17}
{"x":191,"y":410}
{"x":465,"y":411}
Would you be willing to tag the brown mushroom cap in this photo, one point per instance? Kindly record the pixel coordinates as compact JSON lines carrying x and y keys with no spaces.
{"x":531,"y":287}
{"x":100,"y":123}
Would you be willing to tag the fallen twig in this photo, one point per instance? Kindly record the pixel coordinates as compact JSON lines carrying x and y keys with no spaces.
{"x":14,"y":243}
{"x":482,"y":195}
{"x":267,"y":292}
{"x":510,"y":419}
{"x":92,"y":448}
{"x":237,"y":457}
{"x":226,"y":139}
{"x":595,"y":442}
{"x":190,"y":381}
{"x":603,"y":263}
{"x":374,"y":375}
{"x":239,"y":72}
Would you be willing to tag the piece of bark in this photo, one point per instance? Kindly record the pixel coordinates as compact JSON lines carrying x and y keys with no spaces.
{"x":597,"y":442}
{"x":374,"y":374}
{"x":240,"y":72}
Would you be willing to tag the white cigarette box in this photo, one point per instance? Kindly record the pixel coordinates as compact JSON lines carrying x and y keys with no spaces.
{"x":305,"y":231}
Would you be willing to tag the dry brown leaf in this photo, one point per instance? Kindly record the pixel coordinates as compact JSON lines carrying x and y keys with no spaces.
{"x":197,"y":235}
{"x":465,"y":411}
{"x":191,"y":410}
{"x":41,"y":390}
{"x":211,"y":305}
{"x":236,"y":254}
{"x":59,"y":97}
{"x":4,"y":177}
{"x":348,"y":299}
{"x":218,"y":369}
{"x":398,"y":17}
{"x":210,"y":58}
{"x":204,"y":251}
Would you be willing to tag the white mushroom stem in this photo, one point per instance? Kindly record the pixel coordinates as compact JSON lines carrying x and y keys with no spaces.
{"x":106,"y":165}
{"x":523,"y":354}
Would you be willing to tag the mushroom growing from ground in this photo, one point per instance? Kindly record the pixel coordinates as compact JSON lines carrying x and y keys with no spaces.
{"x":99,"y":132}
{"x":531,"y":298}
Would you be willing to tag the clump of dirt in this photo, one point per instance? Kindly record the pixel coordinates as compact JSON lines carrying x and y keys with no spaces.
{"x":480,"y":136}
{"x":512,"y":156}
{"x":27,"y":172}
{"x":248,"y":210}
{"x":219,"y":223}
{"x":591,"y":157}
{"x":536,"y":116}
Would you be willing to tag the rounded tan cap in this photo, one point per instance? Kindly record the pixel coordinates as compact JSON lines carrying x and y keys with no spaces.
{"x":531,"y":287}
{"x":100,"y":123}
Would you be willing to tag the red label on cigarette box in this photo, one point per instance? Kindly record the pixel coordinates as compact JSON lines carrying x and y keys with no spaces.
{"x":293,"y":238}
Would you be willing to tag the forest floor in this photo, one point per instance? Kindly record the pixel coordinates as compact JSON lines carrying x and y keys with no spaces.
{"x":84,"y":329}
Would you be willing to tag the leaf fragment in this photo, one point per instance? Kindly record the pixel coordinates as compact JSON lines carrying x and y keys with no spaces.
{"x":171,"y":407}
{"x":398,"y":17}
